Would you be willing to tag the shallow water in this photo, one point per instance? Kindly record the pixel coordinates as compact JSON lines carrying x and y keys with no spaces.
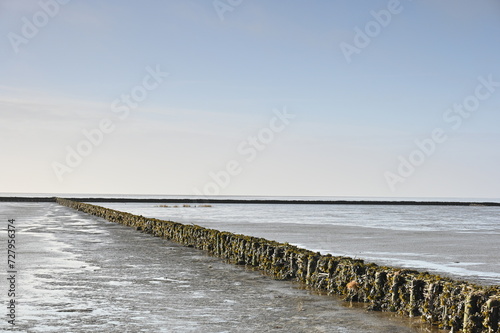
{"x":458,"y":241}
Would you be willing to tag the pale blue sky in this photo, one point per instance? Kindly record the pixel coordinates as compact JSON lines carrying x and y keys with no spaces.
{"x":353,"y":120}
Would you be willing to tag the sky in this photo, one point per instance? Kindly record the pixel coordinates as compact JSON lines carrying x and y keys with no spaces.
{"x":238,"y":97}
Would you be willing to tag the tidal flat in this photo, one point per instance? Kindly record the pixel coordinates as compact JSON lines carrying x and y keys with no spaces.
{"x":80,"y":273}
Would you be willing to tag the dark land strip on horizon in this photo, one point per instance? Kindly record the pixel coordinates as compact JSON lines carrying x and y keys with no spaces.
{"x":255,"y":201}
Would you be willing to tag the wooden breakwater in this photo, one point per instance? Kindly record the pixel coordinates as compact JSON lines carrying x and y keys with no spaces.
{"x":458,"y":306}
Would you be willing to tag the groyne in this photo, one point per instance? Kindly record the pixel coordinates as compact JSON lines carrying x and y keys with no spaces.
{"x":458,"y":306}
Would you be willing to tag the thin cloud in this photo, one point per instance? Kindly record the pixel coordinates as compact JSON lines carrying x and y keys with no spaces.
{"x":464,"y":10}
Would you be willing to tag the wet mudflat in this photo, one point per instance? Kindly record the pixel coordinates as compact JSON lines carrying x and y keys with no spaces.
{"x":78,"y":273}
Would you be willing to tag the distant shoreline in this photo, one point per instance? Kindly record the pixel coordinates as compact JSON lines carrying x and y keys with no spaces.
{"x":257,"y":201}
